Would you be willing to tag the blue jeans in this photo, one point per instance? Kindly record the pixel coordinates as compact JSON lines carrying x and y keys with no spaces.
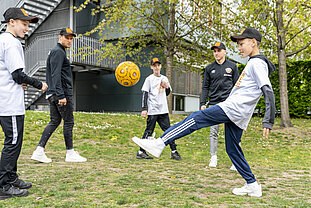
{"x":210,"y":117}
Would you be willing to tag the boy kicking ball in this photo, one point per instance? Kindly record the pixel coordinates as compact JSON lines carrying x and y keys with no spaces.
{"x":235,"y":112}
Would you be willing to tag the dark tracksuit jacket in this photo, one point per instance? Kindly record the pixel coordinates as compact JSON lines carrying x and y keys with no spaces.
{"x":218,"y":82}
{"x":58,"y":73}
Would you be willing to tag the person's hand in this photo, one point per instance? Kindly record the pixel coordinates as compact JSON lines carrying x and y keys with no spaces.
{"x":62,"y":102}
{"x":24,"y":86}
{"x":203,"y":107}
{"x":164,"y":84}
{"x":144,"y":113}
{"x":44,"y":86}
{"x":265,"y":133}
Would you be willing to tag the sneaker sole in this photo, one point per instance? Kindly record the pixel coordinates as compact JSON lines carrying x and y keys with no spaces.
{"x":137,"y":141}
{"x":75,"y":161}
{"x":5,"y":197}
{"x":39,"y":160}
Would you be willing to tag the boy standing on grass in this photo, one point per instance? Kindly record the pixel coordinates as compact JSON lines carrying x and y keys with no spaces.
{"x":154,"y":106}
{"x":235,"y":112}
{"x":218,"y":81}
{"x":12,"y":107}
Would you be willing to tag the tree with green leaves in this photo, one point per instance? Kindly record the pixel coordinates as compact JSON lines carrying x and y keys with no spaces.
{"x":178,"y":30}
{"x":286,"y":27}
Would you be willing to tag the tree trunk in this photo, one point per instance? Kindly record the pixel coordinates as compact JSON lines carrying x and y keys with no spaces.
{"x":285,"y":118}
{"x":169,"y":69}
{"x":169,"y":51}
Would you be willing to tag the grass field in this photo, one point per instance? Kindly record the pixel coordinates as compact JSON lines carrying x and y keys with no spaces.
{"x":113,"y":177}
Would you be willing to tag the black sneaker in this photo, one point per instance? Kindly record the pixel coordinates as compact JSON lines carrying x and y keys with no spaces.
{"x":12,"y":191}
{"x":18,"y":183}
{"x":143,"y":155}
{"x":175,"y":156}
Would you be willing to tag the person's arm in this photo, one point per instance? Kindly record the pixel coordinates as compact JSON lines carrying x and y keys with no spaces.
{"x":236,"y":74}
{"x":205,"y":88}
{"x":168,"y":91}
{"x":56,"y":63}
{"x":144,"y":104}
{"x":20,"y":77}
{"x":269,"y":117}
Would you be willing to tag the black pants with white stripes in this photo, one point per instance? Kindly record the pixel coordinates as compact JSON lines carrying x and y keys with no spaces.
{"x":164,"y":122}
{"x":13,"y":128}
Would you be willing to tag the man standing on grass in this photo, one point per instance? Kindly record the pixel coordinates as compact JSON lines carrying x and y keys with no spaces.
{"x":60,"y":97}
{"x":235,"y":112}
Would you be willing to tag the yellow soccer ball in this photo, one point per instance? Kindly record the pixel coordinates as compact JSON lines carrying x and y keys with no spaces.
{"x":127,"y":74}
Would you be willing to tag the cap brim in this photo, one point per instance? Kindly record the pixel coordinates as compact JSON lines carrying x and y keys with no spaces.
{"x":67,"y":34}
{"x":156,"y":62}
{"x":213,"y":47}
{"x":237,"y":37}
{"x":30,"y":19}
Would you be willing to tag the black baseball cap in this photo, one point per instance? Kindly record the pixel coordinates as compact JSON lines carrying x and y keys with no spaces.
{"x":247,"y":33}
{"x":18,"y":13}
{"x":219,"y":45}
{"x":154,"y":61}
{"x":67,"y":31}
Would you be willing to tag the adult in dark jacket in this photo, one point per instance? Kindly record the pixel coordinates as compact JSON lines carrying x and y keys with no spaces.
{"x":219,"y":79}
{"x":59,"y":95}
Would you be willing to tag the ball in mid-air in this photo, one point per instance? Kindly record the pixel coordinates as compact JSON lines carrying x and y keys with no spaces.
{"x":127,"y":74}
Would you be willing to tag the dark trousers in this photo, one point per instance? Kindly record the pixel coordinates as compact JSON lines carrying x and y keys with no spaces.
{"x":57,"y":113}
{"x":13,"y":128}
{"x":164,"y":122}
{"x":210,"y":117}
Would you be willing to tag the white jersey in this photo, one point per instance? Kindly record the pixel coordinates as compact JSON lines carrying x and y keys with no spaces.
{"x":11,"y":93}
{"x":157,"y":102}
{"x":241,"y":103}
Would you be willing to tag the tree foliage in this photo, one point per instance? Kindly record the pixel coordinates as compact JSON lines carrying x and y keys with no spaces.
{"x":286,"y":29}
{"x":129,"y":26}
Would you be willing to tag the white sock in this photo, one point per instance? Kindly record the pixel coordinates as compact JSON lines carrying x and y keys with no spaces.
{"x":70,"y":151}
{"x":254,"y":184}
{"x":40,"y":149}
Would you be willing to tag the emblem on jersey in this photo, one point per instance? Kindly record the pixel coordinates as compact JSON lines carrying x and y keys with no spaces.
{"x":228,"y":70}
{"x":213,"y":71}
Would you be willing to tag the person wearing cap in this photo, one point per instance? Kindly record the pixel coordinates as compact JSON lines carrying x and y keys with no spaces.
{"x":12,"y":107}
{"x":218,"y":81}
{"x":60,"y":97}
{"x":235,"y":112}
{"x":154,"y":106}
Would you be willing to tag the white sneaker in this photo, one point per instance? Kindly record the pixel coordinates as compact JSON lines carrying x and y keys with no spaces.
{"x":252,"y":189}
{"x":73,"y":156}
{"x":40,"y":156}
{"x":213,"y":161}
{"x":233,"y":168}
{"x":153,"y":146}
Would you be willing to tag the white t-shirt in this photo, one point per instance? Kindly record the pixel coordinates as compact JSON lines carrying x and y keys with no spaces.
{"x":11,"y":93}
{"x":157,"y":102}
{"x":241,"y":103}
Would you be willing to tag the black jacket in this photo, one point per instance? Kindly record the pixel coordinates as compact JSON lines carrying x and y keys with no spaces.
{"x":218,"y":82}
{"x":58,"y":73}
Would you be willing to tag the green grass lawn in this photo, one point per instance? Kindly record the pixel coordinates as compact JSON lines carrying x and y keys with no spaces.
{"x":113,"y":177}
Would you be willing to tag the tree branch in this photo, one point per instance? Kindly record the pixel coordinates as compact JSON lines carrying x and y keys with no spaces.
{"x":298,"y":51}
{"x":292,"y":17}
{"x":302,"y":30}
